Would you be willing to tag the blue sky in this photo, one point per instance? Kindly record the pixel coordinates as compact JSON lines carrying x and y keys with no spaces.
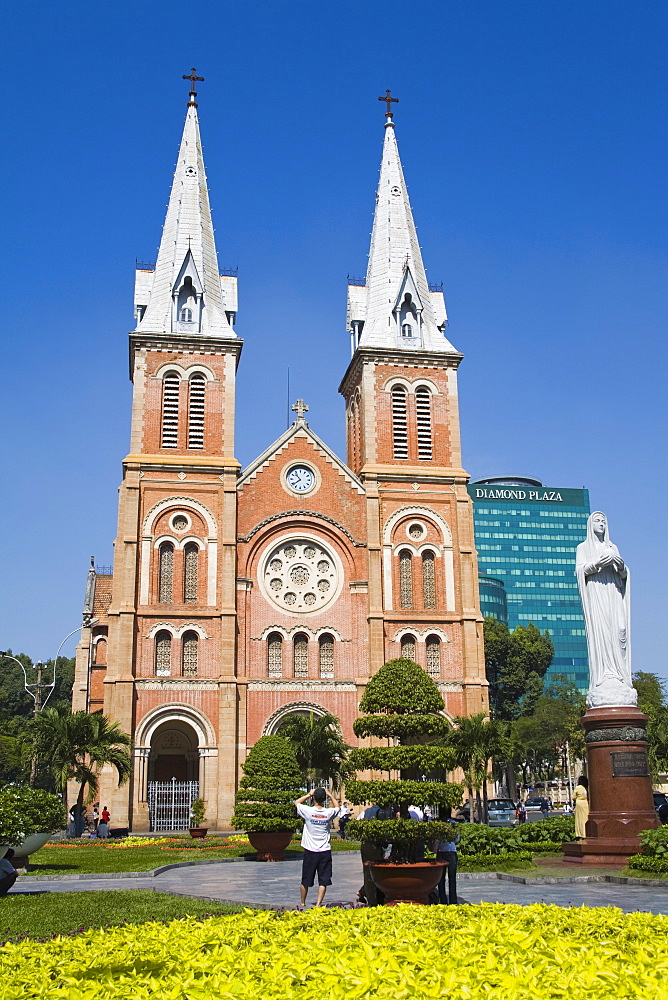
{"x":533,"y":142}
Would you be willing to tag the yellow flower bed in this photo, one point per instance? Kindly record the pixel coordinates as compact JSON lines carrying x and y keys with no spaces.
{"x":491,"y":951}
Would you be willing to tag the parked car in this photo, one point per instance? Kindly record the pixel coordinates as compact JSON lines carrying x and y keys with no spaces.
{"x":535,"y":802}
{"x":502,"y":812}
{"x":661,"y":805}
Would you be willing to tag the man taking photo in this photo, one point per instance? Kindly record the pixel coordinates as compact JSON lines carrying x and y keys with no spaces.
{"x":316,"y":842}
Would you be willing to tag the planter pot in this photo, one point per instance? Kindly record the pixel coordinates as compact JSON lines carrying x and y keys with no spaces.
{"x":26,"y":848}
{"x":198,"y":832}
{"x":270,"y":846}
{"x":410,"y":883}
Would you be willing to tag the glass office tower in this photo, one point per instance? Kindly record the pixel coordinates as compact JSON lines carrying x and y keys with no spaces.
{"x":526,"y":535}
{"x":493,"y":602}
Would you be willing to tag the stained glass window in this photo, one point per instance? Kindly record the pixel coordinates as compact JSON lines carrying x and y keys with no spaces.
{"x":166,"y":573}
{"x":406,"y":578}
{"x":434,"y":656}
{"x":163,"y":654}
{"x":191,"y":557}
{"x":301,"y":655}
{"x":428,"y":580}
{"x":189,"y":654}
{"x":326,"y":656}
{"x":275,"y":655}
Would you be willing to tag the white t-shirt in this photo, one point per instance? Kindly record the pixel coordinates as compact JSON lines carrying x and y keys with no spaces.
{"x":317,"y":822}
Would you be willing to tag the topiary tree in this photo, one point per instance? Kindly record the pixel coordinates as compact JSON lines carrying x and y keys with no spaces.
{"x":271,"y":783}
{"x":24,"y":811}
{"x":402,"y":703}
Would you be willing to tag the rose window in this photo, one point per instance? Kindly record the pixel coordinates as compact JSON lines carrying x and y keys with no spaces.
{"x":300,"y":576}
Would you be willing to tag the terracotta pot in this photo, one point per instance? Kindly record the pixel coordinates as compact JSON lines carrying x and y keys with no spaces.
{"x":270,"y":846}
{"x":198,"y":832}
{"x":410,"y":883}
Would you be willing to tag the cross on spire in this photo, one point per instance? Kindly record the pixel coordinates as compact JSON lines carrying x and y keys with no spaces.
{"x":389,"y":101}
{"x":300,"y":408}
{"x":192,"y":76}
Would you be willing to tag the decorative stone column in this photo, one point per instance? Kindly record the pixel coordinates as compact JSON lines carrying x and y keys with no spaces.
{"x":620,"y":787}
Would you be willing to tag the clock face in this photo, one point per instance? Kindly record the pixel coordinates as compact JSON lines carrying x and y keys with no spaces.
{"x":300,"y":479}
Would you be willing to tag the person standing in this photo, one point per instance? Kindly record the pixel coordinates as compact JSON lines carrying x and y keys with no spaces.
{"x":316,"y":842}
{"x":521,"y":812}
{"x":8,"y":873}
{"x":545,"y":807}
{"x":344,"y":816}
{"x":103,"y":825}
{"x":446,"y":850}
{"x":581,"y":810}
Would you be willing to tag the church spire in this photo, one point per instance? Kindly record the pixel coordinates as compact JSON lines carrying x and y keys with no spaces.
{"x":184,"y":294}
{"x":395,"y":308}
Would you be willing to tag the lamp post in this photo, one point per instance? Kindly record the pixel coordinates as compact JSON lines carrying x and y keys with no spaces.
{"x":35,"y":688}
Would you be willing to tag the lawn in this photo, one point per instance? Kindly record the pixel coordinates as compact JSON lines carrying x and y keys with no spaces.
{"x":71,"y":858}
{"x":41,"y":915}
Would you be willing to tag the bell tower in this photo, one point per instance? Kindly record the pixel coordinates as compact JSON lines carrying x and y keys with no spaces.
{"x":403,"y":442}
{"x":172,"y":617}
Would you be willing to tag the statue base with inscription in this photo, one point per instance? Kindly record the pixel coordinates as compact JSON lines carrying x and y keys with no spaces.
{"x":620,"y":787}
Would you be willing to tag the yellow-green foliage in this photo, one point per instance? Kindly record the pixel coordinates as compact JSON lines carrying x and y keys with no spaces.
{"x":489,"y":951}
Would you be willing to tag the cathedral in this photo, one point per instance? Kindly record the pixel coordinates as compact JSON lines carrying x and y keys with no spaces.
{"x":239,"y":597}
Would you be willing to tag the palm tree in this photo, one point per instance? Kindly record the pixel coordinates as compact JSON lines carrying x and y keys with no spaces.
{"x":476,"y":742}
{"x":76,"y":746}
{"x":318,"y":744}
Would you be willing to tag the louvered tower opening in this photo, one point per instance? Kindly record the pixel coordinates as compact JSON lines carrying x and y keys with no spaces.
{"x":170,"y":410}
{"x":197,"y":390}
{"x":423,"y":412}
{"x":399,"y":422}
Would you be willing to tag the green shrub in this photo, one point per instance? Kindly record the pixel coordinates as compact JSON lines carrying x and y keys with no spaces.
{"x":559,"y":829}
{"x":477,"y":838}
{"x":24,"y":811}
{"x":490,"y":950}
{"x":198,"y":812}
{"x":404,"y":702}
{"x":271,"y":783}
{"x":648,"y":863}
{"x":654,"y":843}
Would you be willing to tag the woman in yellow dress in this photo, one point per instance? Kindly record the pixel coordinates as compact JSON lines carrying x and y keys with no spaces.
{"x":581,"y":810}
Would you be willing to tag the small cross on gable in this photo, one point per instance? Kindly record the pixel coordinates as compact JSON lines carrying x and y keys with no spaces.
{"x":389,"y":101}
{"x":192,"y":76}
{"x":300,"y":408}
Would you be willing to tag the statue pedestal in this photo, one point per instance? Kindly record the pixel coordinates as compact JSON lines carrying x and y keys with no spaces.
{"x":620,"y":787}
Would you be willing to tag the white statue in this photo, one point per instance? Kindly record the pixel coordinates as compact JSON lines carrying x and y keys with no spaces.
{"x":604,"y":583}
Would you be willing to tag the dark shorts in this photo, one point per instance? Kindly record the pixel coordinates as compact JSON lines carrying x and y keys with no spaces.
{"x":320,"y":862}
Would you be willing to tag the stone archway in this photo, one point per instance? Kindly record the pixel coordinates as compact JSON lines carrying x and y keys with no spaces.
{"x":281,"y":716}
{"x":174,"y":752}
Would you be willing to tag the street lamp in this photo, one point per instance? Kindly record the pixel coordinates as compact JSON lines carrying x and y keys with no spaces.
{"x":34,"y":689}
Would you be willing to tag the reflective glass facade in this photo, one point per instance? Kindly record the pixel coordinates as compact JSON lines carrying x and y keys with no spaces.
{"x":526,"y":535}
{"x":493,"y":602}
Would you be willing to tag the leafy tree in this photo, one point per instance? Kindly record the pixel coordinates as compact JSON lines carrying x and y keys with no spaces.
{"x":14,"y":702}
{"x":652,"y":701}
{"x":271,"y":783}
{"x":651,"y":693}
{"x":537,"y":742}
{"x":76,"y":746}
{"x":515,"y":664}
{"x":318,"y":744}
{"x":476,"y":741}
{"x":403,"y":703}
{"x":24,"y":811}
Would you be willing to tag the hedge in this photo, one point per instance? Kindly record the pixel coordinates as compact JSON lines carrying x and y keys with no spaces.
{"x":654,"y":843}
{"x":24,"y":811}
{"x":648,"y":864}
{"x":271,"y":783}
{"x":490,"y":950}
{"x":494,"y":862}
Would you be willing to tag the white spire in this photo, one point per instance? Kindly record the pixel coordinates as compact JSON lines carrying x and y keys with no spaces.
{"x":396,"y":308}
{"x":185,"y":294}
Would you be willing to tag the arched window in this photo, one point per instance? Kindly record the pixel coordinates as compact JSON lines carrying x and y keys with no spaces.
{"x":189,"y":654}
{"x":423,"y":414}
{"x":406,"y":578}
{"x":406,"y":330}
{"x":170,"y":410}
{"x":196,"y":394}
{"x":163,"y":654}
{"x":100,"y":653}
{"x":428,"y":580}
{"x":326,"y":643}
{"x":408,"y":647}
{"x":186,"y":315}
{"x":166,"y":573}
{"x":301,"y":655}
{"x":187,"y":301}
{"x":275,"y":655}
{"x":399,"y":422}
{"x":190,"y":568}
{"x":433,"y":656}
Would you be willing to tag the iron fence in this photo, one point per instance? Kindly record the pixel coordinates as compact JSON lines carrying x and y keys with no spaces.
{"x":169,"y":803}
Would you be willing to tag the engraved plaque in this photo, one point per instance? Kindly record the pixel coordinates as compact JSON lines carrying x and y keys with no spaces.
{"x":631,"y":764}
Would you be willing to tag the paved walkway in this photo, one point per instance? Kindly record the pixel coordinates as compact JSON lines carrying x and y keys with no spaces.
{"x":277,"y":885}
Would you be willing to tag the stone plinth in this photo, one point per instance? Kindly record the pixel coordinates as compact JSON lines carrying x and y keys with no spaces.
{"x":620,"y":787}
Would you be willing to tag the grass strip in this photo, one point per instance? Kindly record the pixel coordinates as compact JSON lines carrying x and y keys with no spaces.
{"x":40,"y":916}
